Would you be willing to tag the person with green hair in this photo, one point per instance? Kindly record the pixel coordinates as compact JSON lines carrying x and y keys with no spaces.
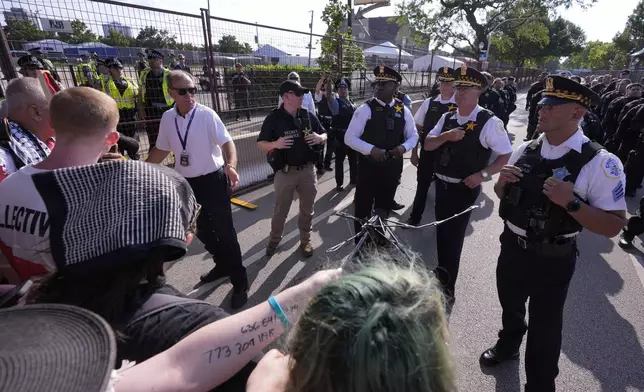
{"x":380,"y":329}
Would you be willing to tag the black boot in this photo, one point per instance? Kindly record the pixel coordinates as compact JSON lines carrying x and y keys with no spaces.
{"x":492,"y":357}
{"x":626,"y":240}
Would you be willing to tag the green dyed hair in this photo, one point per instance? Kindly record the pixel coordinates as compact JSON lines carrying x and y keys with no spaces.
{"x":380,"y":329}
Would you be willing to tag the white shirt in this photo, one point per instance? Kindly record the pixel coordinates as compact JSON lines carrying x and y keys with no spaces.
{"x":419,"y":117}
{"x":206,"y":136}
{"x":24,"y":220}
{"x":307,"y":102}
{"x":601,"y":182}
{"x":359,"y":120}
{"x":493,"y":134}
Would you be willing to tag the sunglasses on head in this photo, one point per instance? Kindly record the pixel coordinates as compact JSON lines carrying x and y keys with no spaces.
{"x":184,"y":91}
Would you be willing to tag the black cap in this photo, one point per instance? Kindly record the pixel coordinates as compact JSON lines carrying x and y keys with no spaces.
{"x":115,"y":63}
{"x":445,"y":74}
{"x":291,"y":85}
{"x":343,"y":83}
{"x":35,"y":50}
{"x":155,"y":55}
{"x":560,"y":90}
{"x":469,"y":77}
{"x":101,"y":62}
{"x":386,"y":74}
{"x":29,"y":61}
{"x":140,"y":54}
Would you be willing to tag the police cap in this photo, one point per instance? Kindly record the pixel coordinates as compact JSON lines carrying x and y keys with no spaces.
{"x":469,"y":77}
{"x":343,"y":83}
{"x":560,"y":90}
{"x":115,"y":63}
{"x":155,"y":55}
{"x":29,"y":61}
{"x":36,"y":51}
{"x":445,"y":74}
{"x":293,"y":86}
{"x":386,"y":74}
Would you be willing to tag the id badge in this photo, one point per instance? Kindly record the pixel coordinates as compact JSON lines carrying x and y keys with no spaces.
{"x":184,"y":160}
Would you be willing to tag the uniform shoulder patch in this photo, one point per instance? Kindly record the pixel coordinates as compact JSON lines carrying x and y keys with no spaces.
{"x":612,"y":167}
{"x":618,"y":191}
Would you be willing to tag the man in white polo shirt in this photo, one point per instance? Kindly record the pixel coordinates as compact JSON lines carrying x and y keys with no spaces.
{"x":196,"y":135}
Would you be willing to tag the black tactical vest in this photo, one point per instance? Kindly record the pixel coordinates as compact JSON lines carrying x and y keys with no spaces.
{"x":386,"y":128}
{"x":324,"y":113}
{"x":467,"y":156}
{"x":525,"y":205}
{"x":434,"y":112}
{"x":343,"y":118}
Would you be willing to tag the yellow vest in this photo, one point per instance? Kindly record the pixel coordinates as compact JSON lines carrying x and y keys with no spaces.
{"x":125,"y":101}
{"x":144,"y":74}
{"x":80,"y":74}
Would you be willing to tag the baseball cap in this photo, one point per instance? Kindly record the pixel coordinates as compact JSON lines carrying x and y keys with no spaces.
{"x":293,"y":86}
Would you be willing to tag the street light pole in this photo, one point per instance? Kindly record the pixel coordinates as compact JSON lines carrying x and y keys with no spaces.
{"x":349,"y":17}
{"x":179,"y":25}
{"x":310,"y":38}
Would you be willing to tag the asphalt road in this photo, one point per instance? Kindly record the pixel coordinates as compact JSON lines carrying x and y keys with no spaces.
{"x":604,"y":314}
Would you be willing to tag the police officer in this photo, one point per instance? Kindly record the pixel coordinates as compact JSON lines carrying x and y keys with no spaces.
{"x":632,"y":147}
{"x":634,"y":228}
{"x":627,"y":135}
{"x":293,"y":138}
{"x":141,"y":63}
{"x":463,"y":141}
{"x":325,"y":115}
{"x":490,"y":99}
{"x":124,"y":91}
{"x":30,"y":65}
{"x":85,"y":72}
{"x":533,"y":116}
{"x":610,"y":120}
{"x":49,"y":66}
{"x":504,"y":112}
{"x":551,"y":188}
{"x":609,"y":96}
{"x":535,"y":88}
{"x":154,"y":95}
{"x":173,"y":61}
{"x":381,"y":131}
{"x":342,"y":109}
{"x":181,"y":65}
{"x":103,"y":74}
{"x":511,"y":91}
{"x":241,"y":84}
{"x":426,"y":118}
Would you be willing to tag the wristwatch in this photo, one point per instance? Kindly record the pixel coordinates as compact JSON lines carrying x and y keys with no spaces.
{"x":485,"y":174}
{"x":574,"y":206}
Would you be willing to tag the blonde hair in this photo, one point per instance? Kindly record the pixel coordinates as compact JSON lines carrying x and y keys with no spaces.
{"x":83,"y":112}
{"x":382,"y":328}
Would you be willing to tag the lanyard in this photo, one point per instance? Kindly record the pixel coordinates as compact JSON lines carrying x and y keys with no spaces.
{"x":184,"y":141}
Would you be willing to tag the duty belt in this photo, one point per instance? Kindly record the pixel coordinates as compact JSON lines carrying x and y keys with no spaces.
{"x":548,"y":247}
{"x":287,"y":168}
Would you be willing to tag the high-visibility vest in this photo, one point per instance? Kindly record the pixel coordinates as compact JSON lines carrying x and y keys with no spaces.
{"x":80,"y":73}
{"x":166,"y":94}
{"x":104,"y":79}
{"x":125,"y":101}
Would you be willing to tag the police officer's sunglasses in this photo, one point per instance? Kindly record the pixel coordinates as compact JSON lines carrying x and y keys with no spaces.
{"x":296,"y":93}
{"x":184,"y":91}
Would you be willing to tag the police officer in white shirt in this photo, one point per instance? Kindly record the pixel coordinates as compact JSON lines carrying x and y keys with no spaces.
{"x":197,"y":136}
{"x":464,"y":141}
{"x":381,"y":131}
{"x":551,"y":188}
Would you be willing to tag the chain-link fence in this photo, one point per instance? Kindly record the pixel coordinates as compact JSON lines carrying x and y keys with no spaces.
{"x":67,"y":30}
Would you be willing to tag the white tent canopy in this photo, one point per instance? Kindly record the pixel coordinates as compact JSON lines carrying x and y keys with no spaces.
{"x":386,"y":50}
{"x":423,"y":63}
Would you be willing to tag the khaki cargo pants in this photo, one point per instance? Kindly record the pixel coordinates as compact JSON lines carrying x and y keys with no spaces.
{"x":303,"y":181}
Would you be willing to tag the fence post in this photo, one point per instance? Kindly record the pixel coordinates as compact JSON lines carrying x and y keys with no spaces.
{"x":207,"y":35}
{"x":5,"y":58}
{"x":399,"y":58}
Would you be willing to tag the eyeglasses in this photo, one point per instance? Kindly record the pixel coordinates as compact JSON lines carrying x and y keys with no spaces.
{"x":184,"y":91}
{"x":296,"y":93}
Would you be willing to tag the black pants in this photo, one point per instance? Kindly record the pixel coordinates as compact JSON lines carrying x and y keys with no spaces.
{"x":215,"y":224}
{"x":450,"y":200}
{"x":376,"y":187}
{"x":326,"y":157}
{"x":241,"y":102}
{"x":152,"y":127}
{"x":522,"y":274}
{"x":635,"y":224}
{"x":424,"y":178}
{"x":342,"y":152}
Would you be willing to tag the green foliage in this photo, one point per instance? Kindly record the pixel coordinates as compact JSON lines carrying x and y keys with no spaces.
{"x":340,"y":55}
{"x":22,"y":31}
{"x":229,"y":44}
{"x":116,"y":38}
{"x":598,"y":55}
{"x":284,"y":68}
{"x":79,"y":35}
{"x":151,"y":37}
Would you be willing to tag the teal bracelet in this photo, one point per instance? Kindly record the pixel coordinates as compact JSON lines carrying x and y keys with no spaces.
{"x":279,"y":311}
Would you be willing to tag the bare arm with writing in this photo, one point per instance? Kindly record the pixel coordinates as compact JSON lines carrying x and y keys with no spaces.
{"x":214,"y":353}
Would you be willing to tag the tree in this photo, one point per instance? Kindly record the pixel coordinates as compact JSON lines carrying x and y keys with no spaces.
{"x":80,"y":33}
{"x":340,"y":54}
{"x":18,"y":30}
{"x":471,"y":21}
{"x":151,"y":37}
{"x":116,"y":38}
{"x":229,"y":44}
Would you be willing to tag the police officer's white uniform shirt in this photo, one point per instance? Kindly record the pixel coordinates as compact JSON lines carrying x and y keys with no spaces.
{"x":601,"y":182}
{"x":307,"y":102}
{"x":419,"y":117}
{"x":359,"y":120}
{"x":207,"y":134}
{"x":493,"y":135}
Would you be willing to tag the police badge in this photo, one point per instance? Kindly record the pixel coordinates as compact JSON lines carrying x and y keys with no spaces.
{"x":560,"y":173}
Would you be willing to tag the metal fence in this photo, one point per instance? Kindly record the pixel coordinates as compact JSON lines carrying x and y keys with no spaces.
{"x":267,"y":53}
